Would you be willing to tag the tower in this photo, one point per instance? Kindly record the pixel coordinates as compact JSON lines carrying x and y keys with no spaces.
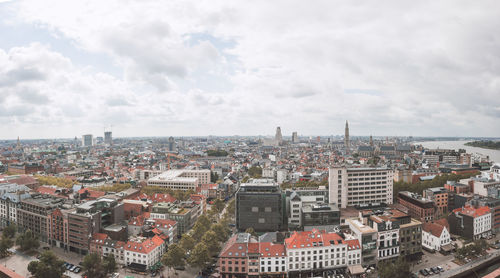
{"x":278,"y":137}
{"x":346,"y":136}
{"x":18,"y":145}
{"x":108,"y":138}
{"x":171,"y":144}
{"x":371,"y":141}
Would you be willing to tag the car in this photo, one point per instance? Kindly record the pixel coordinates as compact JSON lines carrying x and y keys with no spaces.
{"x":72,"y":269}
{"x":435,"y":270}
{"x":77,"y":269}
{"x":68,"y":266}
{"x":46,"y":248}
{"x":115,"y":275}
{"x":440,"y":268}
{"x":179,"y":268}
{"x":424,"y":272}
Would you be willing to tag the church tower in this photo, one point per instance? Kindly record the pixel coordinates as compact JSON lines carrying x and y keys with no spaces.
{"x":346,"y":137}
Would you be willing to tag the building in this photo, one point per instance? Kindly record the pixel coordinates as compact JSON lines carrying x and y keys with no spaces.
{"x":439,"y":195}
{"x":312,"y":252}
{"x":367,"y":237}
{"x":278,"y":138}
{"x":435,"y":237}
{"x":184,"y":213}
{"x":493,"y":204}
{"x":181,"y":179}
{"x":320,"y":216}
{"x":11,"y":195}
{"x":418,"y":207}
{"x":387,"y":236}
{"x":33,"y":214}
{"x":295,"y":137}
{"x":171,"y":144}
{"x":346,"y":137}
{"x":356,"y":186}
{"x":108,"y":138}
{"x":297,"y":198}
{"x":410,"y":235}
{"x":273,"y":259}
{"x":25,"y":168}
{"x":87,"y":140}
{"x":260,"y":205}
{"x":235,"y":257}
{"x":470,"y":222}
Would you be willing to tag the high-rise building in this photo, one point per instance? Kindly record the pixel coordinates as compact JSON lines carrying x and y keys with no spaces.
{"x":356,"y":186}
{"x":295,"y":138}
{"x":260,"y":205}
{"x":278,"y":137}
{"x":87,"y":140}
{"x":346,"y":137}
{"x":171,"y":144}
{"x":108,"y":139}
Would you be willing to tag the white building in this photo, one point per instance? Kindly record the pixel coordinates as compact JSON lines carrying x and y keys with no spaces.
{"x":181,"y":179}
{"x":281,"y":176}
{"x":145,"y":252}
{"x":355,"y":186}
{"x":11,"y":195}
{"x":272,"y":258}
{"x":387,"y":236}
{"x":311,"y":250}
{"x":435,"y":236}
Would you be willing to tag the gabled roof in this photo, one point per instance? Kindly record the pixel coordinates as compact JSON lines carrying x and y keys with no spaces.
{"x":433,"y":228}
{"x":312,"y":238}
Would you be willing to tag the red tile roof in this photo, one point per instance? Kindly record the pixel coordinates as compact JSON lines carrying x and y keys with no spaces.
{"x":473,"y":212}
{"x":312,"y":238}
{"x":145,"y":246}
{"x":433,"y":228}
{"x":156,"y":198}
{"x":353,"y":244}
{"x":269,"y":249}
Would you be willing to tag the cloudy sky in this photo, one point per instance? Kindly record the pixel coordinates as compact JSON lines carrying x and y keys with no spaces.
{"x":161,"y":68}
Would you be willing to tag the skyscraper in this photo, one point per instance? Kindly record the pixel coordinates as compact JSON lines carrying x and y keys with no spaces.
{"x":108,"y":139}
{"x":171,"y":144}
{"x":295,"y":138}
{"x":346,"y":137}
{"x":87,"y":140}
{"x":278,"y":137}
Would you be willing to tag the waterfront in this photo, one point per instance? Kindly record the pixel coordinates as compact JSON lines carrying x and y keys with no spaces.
{"x":493,"y":154}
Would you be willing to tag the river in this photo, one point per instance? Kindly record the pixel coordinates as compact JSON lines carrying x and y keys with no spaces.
{"x":493,"y":154}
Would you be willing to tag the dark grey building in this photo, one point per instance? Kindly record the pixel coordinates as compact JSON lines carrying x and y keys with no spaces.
{"x":320,"y":216}
{"x":260,"y":205}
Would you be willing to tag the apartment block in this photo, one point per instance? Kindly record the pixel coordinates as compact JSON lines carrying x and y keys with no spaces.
{"x":181,"y":179}
{"x":356,"y":186}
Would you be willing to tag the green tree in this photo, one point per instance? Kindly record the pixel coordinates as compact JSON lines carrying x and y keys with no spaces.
{"x":251,"y":231}
{"x":255,"y":172}
{"x":10,"y":231}
{"x":213,"y":177}
{"x":109,"y":264}
{"x":5,"y":244}
{"x":210,"y":240}
{"x":174,"y":257}
{"x":27,"y":241}
{"x":221,"y":233}
{"x":218,"y":205}
{"x":49,"y":266}
{"x":201,"y":227}
{"x":398,"y":269}
{"x":187,"y":242}
{"x":200,"y":256}
{"x":93,"y":266}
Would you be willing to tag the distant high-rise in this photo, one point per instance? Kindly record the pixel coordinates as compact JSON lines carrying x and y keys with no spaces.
{"x":346,"y":136}
{"x":87,"y":140}
{"x":171,"y":144}
{"x":371,"y":141}
{"x":108,"y":138}
{"x":278,"y":137}
{"x":295,"y":137}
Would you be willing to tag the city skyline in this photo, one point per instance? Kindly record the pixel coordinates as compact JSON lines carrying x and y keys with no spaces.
{"x":224,"y":68}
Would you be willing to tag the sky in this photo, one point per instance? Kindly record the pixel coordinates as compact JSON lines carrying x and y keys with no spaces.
{"x":194,"y":68}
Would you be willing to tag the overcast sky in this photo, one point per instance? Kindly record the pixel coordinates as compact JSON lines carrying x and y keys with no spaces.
{"x":161,"y":68}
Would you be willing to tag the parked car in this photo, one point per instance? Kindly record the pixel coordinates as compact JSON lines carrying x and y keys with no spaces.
{"x":440,"y":268}
{"x":68,"y":266}
{"x":424,"y":272}
{"x":179,"y":268}
{"x":72,"y":269}
{"x":435,"y":270}
{"x":77,"y":269}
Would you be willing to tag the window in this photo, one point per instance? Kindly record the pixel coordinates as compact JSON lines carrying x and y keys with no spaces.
{"x":255,"y":209}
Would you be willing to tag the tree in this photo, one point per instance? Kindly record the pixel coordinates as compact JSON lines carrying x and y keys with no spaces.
{"x":174,"y":256}
{"x":255,"y":172}
{"x":5,"y":244}
{"x":109,"y":264}
{"x":201,"y":227}
{"x":251,"y":231}
{"x":200,"y":257}
{"x":93,"y":266}
{"x":398,"y":269}
{"x":210,"y":240}
{"x":220,"y":231}
{"x":213,"y":177}
{"x":10,"y":231}
{"x":218,"y":205}
{"x":27,"y":241}
{"x":187,"y":242}
{"x":49,"y":266}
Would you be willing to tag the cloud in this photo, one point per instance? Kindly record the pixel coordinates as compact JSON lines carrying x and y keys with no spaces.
{"x":428,"y":68}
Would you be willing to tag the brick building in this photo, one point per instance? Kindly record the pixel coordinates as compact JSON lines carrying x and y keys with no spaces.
{"x":419,"y":208}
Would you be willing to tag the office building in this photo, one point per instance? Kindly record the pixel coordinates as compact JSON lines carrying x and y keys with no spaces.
{"x":420,"y":208}
{"x":439,"y":195}
{"x":181,"y":179}
{"x":87,"y":140}
{"x":278,"y":138}
{"x":295,"y":137}
{"x":108,"y":138}
{"x":260,"y":205}
{"x":356,"y":186}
